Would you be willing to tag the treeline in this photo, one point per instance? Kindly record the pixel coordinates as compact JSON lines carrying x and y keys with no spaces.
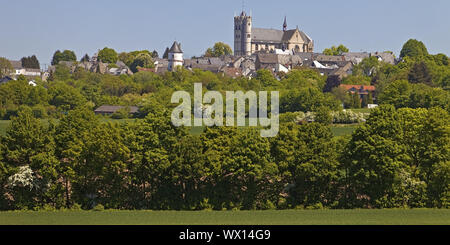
{"x":398,"y":158}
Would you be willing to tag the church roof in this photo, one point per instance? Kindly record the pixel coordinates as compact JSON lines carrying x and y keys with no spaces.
{"x":175,"y":48}
{"x":272,"y":35}
{"x":267,"y":35}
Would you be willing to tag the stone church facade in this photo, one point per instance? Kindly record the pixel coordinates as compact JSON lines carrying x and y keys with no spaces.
{"x":249,"y":40}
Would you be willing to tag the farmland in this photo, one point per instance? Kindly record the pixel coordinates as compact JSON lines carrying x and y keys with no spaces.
{"x":270,"y":217}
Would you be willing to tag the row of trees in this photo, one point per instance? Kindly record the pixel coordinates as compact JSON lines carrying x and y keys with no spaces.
{"x":398,"y":158}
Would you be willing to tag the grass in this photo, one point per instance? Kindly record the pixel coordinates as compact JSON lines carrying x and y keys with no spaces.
{"x":343,"y":129}
{"x":272,"y":217}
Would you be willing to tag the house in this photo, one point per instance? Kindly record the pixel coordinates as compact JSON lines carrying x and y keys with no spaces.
{"x":20,"y":70}
{"x":111,"y":109}
{"x":361,"y":90}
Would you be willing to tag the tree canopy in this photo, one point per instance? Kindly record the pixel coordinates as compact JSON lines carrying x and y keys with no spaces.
{"x":66,"y":55}
{"x":108,"y":55}
{"x":335,"y":50}
{"x":218,"y":50}
{"x":413,"y":48}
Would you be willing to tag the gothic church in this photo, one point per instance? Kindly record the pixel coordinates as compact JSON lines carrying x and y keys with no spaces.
{"x":249,"y":40}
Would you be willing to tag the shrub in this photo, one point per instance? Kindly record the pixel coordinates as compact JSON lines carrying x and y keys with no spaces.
{"x":98,"y":207}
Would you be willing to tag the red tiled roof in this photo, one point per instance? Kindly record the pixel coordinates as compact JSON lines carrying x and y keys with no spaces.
{"x":357,"y":87}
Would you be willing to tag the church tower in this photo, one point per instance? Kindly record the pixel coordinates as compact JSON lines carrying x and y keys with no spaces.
{"x":242,"y":34}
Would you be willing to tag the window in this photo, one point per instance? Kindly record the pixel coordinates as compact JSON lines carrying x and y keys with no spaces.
{"x":248,"y":35}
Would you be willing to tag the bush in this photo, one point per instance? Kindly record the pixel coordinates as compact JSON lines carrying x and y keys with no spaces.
{"x":348,"y":116}
{"x":98,"y":207}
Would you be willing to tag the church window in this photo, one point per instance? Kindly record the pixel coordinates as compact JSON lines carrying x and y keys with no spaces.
{"x":248,"y":35}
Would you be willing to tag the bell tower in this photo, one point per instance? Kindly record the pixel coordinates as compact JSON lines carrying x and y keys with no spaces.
{"x":242,"y":34}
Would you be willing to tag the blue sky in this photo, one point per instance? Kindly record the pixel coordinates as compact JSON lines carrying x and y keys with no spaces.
{"x":41,"y":27}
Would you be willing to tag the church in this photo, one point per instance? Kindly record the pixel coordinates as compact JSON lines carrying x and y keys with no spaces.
{"x":249,"y":40}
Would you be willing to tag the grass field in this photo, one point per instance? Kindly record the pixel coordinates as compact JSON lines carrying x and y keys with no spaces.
{"x":344,"y":129}
{"x":275,"y":217}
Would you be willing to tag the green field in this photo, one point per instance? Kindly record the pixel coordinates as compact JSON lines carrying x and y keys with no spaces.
{"x":339,"y":130}
{"x":275,"y":217}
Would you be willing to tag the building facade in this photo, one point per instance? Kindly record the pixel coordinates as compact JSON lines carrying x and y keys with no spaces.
{"x":249,"y":40}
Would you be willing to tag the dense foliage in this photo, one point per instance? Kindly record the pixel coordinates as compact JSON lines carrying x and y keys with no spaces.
{"x":399,"y":156}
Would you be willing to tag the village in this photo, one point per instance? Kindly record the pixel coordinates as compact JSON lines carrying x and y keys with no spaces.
{"x":278,"y":51}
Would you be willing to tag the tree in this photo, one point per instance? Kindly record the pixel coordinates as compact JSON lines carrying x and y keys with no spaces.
{"x":343,"y":96}
{"x":335,"y":50}
{"x":66,"y":55}
{"x":30,"y":62}
{"x":307,"y":158}
{"x":142,"y":60}
{"x":155,"y":54}
{"x":218,"y":50}
{"x":367,"y":67}
{"x":356,"y":100}
{"x":107,"y":55}
{"x":85,"y":58}
{"x":391,"y":158}
{"x":420,"y":73}
{"x":413,"y":48}
{"x":5,"y":67}
{"x":28,"y":154}
{"x":166,"y":53}
{"x":323,"y":115}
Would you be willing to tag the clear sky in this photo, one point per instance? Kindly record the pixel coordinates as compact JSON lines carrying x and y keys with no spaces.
{"x":41,"y":27}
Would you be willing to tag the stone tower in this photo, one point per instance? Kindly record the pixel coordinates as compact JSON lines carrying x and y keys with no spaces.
{"x":242,"y":34}
{"x":175,"y":56}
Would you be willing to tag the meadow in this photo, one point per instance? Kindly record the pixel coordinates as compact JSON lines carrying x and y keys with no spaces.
{"x":270,"y":217}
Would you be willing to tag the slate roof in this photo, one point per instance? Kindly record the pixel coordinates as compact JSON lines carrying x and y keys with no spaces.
{"x":16,"y":64}
{"x":275,"y":36}
{"x":175,"y":48}
{"x":114,"y":108}
{"x":267,"y":35}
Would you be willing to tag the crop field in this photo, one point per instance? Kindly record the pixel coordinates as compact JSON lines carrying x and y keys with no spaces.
{"x":271,"y":217}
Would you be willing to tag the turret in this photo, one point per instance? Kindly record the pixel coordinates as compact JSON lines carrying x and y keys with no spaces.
{"x":175,"y":56}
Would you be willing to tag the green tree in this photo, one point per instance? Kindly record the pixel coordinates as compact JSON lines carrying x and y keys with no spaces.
{"x":413,"y":48}
{"x":108,"y":55}
{"x":30,"y":163}
{"x":323,"y":115}
{"x":218,"y":50}
{"x":30,"y":62}
{"x":335,"y":50}
{"x":390,"y":159}
{"x":66,"y":55}
{"x":420,"y":73}
{"x":85,"y":58}
{"x":5,"y":67}
{"x":142,"y":60}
